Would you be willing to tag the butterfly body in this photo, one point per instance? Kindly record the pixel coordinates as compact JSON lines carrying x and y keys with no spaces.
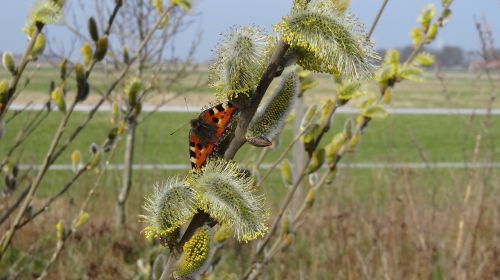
{"x":208,"y":131}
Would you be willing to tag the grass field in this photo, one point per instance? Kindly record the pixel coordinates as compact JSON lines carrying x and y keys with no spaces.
{"x":367,"y":223}
{"x":450,"y":90}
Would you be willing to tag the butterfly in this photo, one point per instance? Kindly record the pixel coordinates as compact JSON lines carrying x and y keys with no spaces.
{"x":208,"y":131}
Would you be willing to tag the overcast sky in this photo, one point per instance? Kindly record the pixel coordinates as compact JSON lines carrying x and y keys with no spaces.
{"x":216,"y":16}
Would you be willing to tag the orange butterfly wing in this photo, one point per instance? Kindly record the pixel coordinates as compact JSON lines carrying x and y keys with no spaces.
{"x":219,"y":116}
{"x":197,"y":152}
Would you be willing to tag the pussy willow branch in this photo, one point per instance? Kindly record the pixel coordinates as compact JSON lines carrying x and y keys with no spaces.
{"x":59,"y":152}
{"x":291,"y":193}
{"x":377,"y":18}
{"x":419,"y":47}
{"x":7,"y":237}
{"x":112,"y":87}
{"x":49,"y":158}
{"x":246,"y":116}
{"x":60,"y":244}
{"x":22,"y":66}
{"x":53,"y":198}
{"x":360,"y":128}
{"x":26,"y":131}
{"x":247,"y":113}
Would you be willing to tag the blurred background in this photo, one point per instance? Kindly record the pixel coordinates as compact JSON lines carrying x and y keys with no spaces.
{"x":392,"y":211}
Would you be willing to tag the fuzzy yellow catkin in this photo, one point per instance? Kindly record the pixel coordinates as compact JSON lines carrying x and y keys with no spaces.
{"x":228,"y":195}
{"x":196,"y":251}
{"x":170,"y":206}
{"x":8,"y":62}
{"x":271,"y":116}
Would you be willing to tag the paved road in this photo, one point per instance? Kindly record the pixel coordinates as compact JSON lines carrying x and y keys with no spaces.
{"x":183,"y":109}
{"x":360,"y":165}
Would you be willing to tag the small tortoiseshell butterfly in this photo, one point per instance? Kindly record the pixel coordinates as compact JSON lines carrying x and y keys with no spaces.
{"x":208,"y":131}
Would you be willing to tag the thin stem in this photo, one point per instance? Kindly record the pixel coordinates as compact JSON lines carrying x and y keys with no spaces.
{"x":36,"y":183}
{"x":376,"y":19}
{"x":22,"y":66}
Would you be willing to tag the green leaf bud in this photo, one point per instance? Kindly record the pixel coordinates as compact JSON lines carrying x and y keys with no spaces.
{"x":63,"y":69}
{"x":334,"y":147}
{"x":426,"y":16}
{"x":424,"y":59}
{"x":416,"y":36}
{"x":80,"y":75}
{"x":374,"y":112}
{"x":101,"y":48}
{"x":76,"y":160}
{"x":286,"y":172}
{"x":82,"y":219}
{"x":310,"y":198}
{"x":132,"y":88}
{"x":310,"y":135}
{"x":60,"y":230}
{"x":431,"y":33}
{"x":317,"y":160}
{"x":92,"y":26}
{"x":287,"y":240}
{"x":286,"y":225}
{"x":86,"y":54}
{"x":82,"y":91}
{"x":308,"y":116}
{"x":8,"y":63}
{"x":115,"y":114}
{"x":392,"y":57}
{"x":57,"y":96}
{"x":183,"y":4}
{"x":126,"y":56}
{"x":39,"y":45}
{"x":327,"y":107}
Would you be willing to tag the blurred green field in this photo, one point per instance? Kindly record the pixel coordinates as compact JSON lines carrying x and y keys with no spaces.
{"x":399,"y":138}
{"x":380,"y":204}
{"x":444,"y":89}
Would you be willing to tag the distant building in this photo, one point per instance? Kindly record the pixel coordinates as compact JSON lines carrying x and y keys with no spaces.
{"x":475,"y":65}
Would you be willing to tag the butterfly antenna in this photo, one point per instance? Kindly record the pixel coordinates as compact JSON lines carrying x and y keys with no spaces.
{"x":184,"y":124}
{"x":177,"y":129}
{"x":186,"y":102}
